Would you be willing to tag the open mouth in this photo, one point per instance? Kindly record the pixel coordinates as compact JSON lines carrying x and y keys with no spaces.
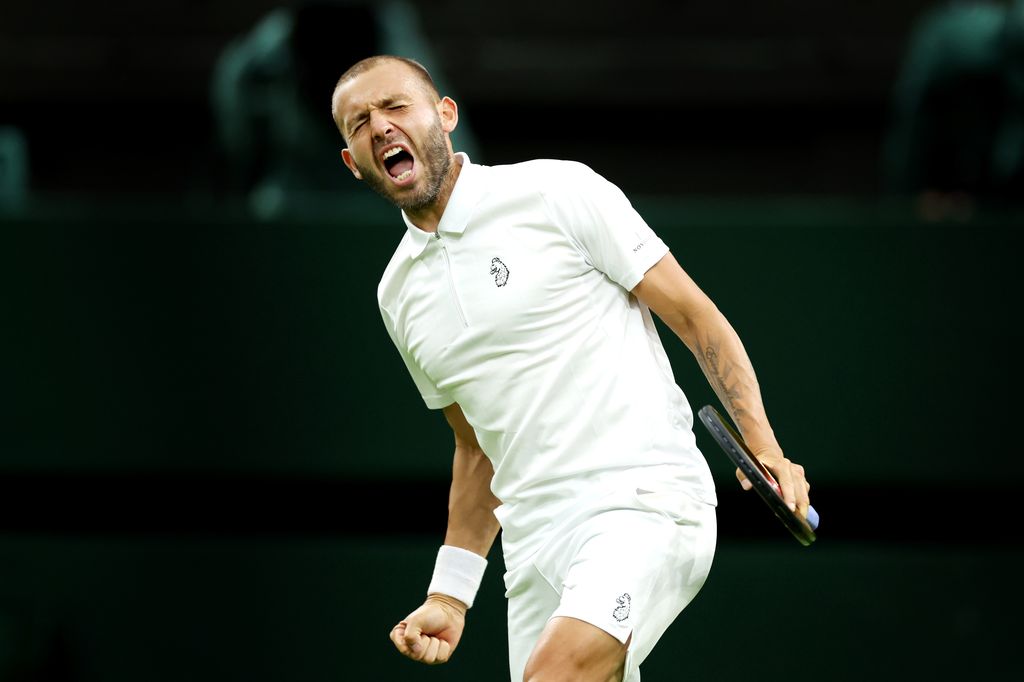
{"x":399,"y":163}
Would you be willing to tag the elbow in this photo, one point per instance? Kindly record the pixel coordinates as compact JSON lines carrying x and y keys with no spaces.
{"x":694,"y":323}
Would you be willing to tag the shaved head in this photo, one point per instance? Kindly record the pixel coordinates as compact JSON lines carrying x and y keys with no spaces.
{"x":364,"y":65}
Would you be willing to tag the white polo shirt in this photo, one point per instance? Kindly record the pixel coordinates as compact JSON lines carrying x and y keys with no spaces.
{"x":519,"y":309}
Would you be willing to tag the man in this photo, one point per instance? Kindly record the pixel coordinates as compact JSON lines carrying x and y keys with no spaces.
{"x":519,"y":300}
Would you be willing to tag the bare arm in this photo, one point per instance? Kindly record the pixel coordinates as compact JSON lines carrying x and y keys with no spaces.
{"x":430,"y":633}
{"x":678,"y":301}
{"x":471,"y":521}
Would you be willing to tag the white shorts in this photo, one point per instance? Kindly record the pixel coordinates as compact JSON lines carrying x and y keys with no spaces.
{"x":629,"y":566}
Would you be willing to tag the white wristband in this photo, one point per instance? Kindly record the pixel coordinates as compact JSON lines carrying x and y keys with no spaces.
{"x":457,"y":573}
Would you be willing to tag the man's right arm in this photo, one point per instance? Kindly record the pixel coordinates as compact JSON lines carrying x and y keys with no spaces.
{"x":471,"y":504}
{"x":430,"y":633}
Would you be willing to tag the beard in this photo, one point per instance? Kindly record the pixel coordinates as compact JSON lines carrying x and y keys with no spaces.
{"x":435,"y":165}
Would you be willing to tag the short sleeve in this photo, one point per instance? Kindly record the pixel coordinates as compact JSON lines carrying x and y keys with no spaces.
{"x":603,"y":224}
{"x":432,"y":396}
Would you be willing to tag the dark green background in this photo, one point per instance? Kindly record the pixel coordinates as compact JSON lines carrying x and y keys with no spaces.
{"x":154,"y":340}
{"x":196,"y":347}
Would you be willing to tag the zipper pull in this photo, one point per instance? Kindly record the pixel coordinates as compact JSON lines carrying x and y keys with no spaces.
{"x":437,"y":234}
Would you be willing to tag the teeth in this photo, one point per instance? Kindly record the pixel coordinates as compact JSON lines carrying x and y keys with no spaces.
{"x":391,"y":152}
{"x":403,"y":175}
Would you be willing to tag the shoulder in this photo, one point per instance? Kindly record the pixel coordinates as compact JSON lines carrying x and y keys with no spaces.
{"x":553,"y":183}
{"x":541,"y":174}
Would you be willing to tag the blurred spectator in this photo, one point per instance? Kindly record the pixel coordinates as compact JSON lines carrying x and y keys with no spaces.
{"x":957,"y":134}
{"x":271,"y":95}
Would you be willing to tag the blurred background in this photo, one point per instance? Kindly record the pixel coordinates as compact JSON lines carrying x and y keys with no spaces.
{"x":213,"y":464}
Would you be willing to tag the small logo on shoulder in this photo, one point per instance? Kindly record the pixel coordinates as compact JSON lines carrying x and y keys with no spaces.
{"x":500,"y":272}
{"x":621,"y":611}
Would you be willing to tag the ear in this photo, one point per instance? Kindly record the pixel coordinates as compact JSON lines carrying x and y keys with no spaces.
{"x":448,"y":111}
{"x":346,"y":156}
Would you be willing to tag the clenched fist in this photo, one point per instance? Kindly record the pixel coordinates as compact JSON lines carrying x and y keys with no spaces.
{"x":430,"y":633}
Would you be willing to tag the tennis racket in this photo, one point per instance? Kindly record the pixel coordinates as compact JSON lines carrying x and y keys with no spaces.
{"x":760,"y":478}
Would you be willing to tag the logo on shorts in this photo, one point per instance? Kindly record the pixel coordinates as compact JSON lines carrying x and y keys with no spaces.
{"x":621,"y":611}
{"x":500,"y":272}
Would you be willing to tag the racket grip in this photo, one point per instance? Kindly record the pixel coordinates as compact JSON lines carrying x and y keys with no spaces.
{"x":812,"y":517}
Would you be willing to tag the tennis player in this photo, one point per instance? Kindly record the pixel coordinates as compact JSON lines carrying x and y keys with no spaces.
{"x":519,"y":299}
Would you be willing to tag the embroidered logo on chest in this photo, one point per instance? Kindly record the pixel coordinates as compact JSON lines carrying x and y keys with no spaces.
{"x":500,"y":272}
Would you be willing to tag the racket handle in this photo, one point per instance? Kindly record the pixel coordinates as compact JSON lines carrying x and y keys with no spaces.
{"x":812,"y":517}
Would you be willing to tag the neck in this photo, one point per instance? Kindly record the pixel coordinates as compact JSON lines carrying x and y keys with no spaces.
{"x":428,"y":217}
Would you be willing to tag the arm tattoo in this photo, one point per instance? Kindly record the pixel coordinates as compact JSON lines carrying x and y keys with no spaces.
{"x":726,"y":386}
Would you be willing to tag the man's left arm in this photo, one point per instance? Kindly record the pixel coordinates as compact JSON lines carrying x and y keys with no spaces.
{"x":678,"y":301}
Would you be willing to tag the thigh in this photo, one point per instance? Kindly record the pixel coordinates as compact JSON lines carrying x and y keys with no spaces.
{"x":531,"y":601}
{"x":571,"y":649}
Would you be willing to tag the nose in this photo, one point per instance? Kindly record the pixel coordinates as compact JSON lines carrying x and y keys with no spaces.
{"x":380,"y":125}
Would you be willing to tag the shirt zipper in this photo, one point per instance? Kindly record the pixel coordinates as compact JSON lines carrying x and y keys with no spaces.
{"x":451,"y":280}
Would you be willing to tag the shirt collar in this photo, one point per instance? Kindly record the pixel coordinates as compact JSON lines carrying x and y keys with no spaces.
{"x":457,"y":213}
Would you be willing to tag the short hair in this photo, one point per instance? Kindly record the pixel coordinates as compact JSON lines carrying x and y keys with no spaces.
{"x":364,"y":65}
